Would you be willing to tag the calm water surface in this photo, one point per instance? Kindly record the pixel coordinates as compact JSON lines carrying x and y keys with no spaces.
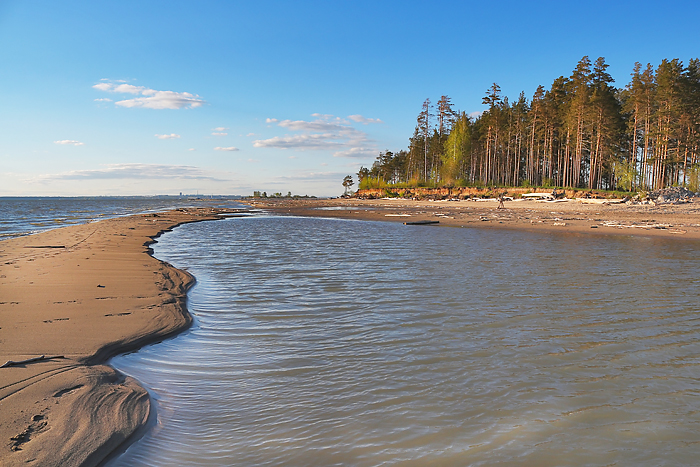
{"x":330,"y":342}
{"x":27,"y":215}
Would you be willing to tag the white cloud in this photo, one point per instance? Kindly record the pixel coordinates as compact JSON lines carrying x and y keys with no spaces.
{"x":253,"y":160}
{"x":326,"y":132}
{"x":163,"y":100}
{"x":220,"y":128}
{"x":292,"y":157}
{"x":191,"y":149}
{"x":222,"y":133}
{"x":132,"y":171}
{"x":104,"y":99}
{"x":69,"y":141}
{"x":271,"y":120}
{"x":104,"y":86}
{"x":359,"y":152}
{"x":130,"y":89}
{"x":154,"y":99}
{"x":170,"y":136}
{"x":476,"y":114}
{"x":363,"y":120}
{"x":303,"y":142}
{"x":225,"y":149}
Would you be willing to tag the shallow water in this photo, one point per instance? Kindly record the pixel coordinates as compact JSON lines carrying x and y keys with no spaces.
{"x":330,"y":342}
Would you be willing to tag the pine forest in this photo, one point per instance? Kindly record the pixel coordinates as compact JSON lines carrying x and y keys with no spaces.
{"x":582,"y":132}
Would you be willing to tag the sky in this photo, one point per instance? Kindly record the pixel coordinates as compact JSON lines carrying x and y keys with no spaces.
{"x":231,"y":97}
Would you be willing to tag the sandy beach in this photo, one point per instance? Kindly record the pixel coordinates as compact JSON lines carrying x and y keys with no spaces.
{"x":680,"y":221}
{"x":70,"y":299}
{"x":73,"y":297}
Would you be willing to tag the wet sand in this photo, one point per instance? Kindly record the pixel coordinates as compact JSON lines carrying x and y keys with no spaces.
{"x":681,"y":221}
{"x":70,"y":299}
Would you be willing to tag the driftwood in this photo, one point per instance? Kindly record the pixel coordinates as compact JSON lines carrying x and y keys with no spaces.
{"x":421,"y":223}
{"x":10,"y":363}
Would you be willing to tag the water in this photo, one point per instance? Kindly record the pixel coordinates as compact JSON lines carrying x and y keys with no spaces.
{"x":329,"y":342}
{"x":24,"y":216}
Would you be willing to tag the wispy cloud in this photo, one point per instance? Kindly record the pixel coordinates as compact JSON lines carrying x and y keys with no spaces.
{"x":326,"y":132}
{"x":307,"y":177}
{"x":104,"y":99}
{"x":132,"y":171}
{"x":153,"y":99}
{"x":302,"y":142}
{"x":359,"y":152}
{"x":170,"y":136}
{"x":69,"y":141}
{"x":231,"y":148}
{"x":363,"y":120}
{"x":219,"y":131}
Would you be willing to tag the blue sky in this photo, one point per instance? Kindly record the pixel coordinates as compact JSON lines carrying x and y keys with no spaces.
{"x":143,"y":98}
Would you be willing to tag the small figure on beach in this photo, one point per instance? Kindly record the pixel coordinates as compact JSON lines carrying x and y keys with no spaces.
{"x":501,"y":198}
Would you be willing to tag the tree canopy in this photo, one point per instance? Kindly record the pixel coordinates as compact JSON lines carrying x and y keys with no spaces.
{"x":581,"y":132}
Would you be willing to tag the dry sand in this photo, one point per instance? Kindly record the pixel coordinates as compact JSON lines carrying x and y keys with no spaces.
{"x":680,"y":221}
{"x":77,"y":296}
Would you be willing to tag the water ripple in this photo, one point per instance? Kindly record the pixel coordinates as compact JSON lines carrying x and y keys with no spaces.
{"x":327,"y":342}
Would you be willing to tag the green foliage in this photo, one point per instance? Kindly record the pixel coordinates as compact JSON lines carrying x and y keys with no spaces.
{"x":626,"y":174}
{"x":370,"y":183}
{"x":694,"y":178}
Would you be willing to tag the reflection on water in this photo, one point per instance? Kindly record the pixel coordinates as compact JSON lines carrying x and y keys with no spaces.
{"x":328,"y":342}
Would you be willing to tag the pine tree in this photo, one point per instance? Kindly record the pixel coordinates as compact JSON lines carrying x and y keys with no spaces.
{"x":424,"y":131}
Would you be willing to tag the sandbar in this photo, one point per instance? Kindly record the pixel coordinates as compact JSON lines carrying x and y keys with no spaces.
{"x":70,"y":299}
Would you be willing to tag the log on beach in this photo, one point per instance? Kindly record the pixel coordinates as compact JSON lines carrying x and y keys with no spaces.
{"x":421,"y":223}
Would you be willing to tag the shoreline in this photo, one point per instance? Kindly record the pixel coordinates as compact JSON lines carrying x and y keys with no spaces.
{"x":70,"y":299}
{"x":73,"y":297}
{"x":678,"y":221}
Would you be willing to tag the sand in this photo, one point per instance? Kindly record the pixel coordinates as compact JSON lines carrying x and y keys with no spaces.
{"x":678,"y":221}
{"x":73,"y":297}
{"x":77,"y":296}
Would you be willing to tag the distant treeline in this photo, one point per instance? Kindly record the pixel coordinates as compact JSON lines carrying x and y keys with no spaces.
{"x":581,"y":132}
